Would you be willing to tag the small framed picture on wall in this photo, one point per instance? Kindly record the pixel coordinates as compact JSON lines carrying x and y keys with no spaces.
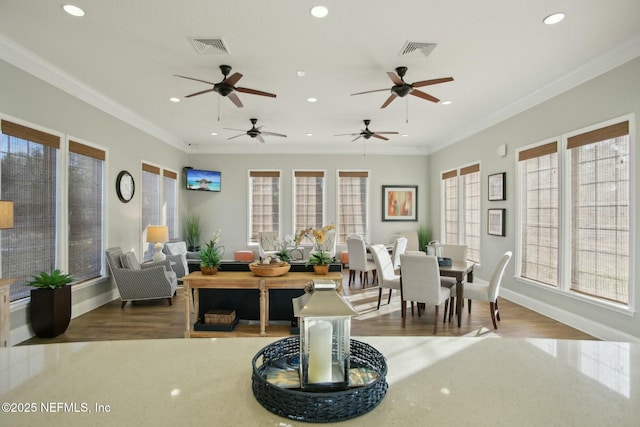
{"x":497,"y":186}
{"x":496,"y":222}
{"x":399,"y":202}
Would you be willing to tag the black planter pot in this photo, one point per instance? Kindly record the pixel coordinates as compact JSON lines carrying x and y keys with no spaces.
{"x":50,"y":311}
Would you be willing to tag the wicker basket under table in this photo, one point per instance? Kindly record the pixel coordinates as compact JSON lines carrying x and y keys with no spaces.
{"x":319,"y":407}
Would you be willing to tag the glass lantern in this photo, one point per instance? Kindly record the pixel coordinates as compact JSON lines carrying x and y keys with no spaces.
{"x":325,"y":329}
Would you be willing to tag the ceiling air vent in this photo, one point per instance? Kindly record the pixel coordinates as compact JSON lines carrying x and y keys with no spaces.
{"x":412,"y":48}
{"x":209,"y":45}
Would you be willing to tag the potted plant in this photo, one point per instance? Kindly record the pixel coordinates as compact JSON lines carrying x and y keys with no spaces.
{"x":211,"y":255}
{"x":319,"y":258}
{"x":193,"y":231}
{"x":50,"y":308}
{"x":424,"y":237}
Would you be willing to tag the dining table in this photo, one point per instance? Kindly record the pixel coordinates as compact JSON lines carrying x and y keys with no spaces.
{"x":459,"y":270}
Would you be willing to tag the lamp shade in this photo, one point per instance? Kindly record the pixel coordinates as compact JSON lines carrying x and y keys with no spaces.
{"x":157,"y":233}
{"x":6,"y":214}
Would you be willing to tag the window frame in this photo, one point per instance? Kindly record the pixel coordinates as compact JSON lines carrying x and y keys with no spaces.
{"x":565,"y":227}
{"x":308,"y":173}
{"x":251,"y":173}
{"x":367,"y":208}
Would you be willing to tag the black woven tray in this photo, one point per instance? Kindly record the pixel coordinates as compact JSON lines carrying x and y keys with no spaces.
{"x":318,"y":407}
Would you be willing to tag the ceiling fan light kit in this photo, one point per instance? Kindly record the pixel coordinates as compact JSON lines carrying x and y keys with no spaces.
{"x":255,"y":132}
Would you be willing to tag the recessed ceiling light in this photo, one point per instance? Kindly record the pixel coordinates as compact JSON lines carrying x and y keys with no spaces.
{"x":554,"y":18}
{"x":312,"y":99}
{"x":309,"y":134}
{"x":404,"y":134}
{"x":174,"y":99}
{"x":446,"y":102}
{"x":214,"y":133}
{"x":301,"y":73}
{"x":73,"y":10}
{"x":319,"y":11}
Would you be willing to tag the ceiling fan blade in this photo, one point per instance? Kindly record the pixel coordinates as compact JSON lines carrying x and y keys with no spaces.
{"x":255,"y":92}
{"x":231,"y":81}
{"x":394,"y":78}
{"x":423,"y":95}
{"x":241,"y":130}
{"x":198,"y":80}
{"x":389,"y":99}
{"x":347,"y":134}
{"x":274,"y":134}
{"x":199,"y":93}
{"x":432,"y":82}
{"x":370,"y":91}
{"x":260,"y":138}
{"x":356,"y":138}
{"x":375,"y":135}
{"x":386,"y":133}
{"x":242,"y":134}
{"x":234,"y":98}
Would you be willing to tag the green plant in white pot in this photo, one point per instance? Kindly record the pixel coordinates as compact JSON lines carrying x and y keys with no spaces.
{"x":50,"y":307}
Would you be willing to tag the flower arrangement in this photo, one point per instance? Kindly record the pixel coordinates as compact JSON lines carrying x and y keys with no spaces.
{"x":318,"y":237}
{"x":286,"y":245}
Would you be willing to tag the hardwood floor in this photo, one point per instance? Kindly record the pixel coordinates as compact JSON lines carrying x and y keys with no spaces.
{"x":156,"y":320}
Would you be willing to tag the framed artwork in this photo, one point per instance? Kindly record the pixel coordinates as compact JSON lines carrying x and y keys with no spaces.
{"x":495,"y":222}
{"x":497,"y":186}
{"x":399,"y":202}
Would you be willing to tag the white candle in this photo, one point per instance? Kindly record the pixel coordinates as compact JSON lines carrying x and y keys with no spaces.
{"x":320,"y":352}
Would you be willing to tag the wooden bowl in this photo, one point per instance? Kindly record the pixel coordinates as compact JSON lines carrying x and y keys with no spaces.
{"x":269,"y":270}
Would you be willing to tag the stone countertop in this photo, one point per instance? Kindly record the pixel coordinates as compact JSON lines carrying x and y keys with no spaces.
{"x":436,"y":381}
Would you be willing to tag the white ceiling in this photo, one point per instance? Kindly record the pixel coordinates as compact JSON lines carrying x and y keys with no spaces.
{"x":122,"y":57}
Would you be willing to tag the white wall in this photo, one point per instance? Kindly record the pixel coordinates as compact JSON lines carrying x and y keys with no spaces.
{"x":611,"y":95}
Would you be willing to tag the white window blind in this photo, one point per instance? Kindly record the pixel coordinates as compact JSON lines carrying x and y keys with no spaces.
{"x":450,"y":206}
{"x":353,"y":205}
{"x":170,"y":202}
{"x":150,"y":205}
{"x":539,"y":213}
{"x":264,"y":203}
{"x":470,"y":176}
{"x":86,"y":196}
{"x":600,"y":171}
{"x":28,"y":177}
{"x":308,"y":195}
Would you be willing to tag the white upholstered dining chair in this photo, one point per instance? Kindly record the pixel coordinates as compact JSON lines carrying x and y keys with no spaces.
{"x":387,"y":277}
{"x":421,"y":284}
{"x":488,"y":291}
{"x":399,"y":248}
{"x":358,"y":262}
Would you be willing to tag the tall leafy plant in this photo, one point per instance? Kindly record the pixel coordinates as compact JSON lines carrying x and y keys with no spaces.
{"x":193,"y":231}
{"x":424,"y":237}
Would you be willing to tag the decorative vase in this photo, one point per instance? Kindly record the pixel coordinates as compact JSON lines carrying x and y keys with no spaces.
{"x":321,"y":270}
{"x":209,"y":271}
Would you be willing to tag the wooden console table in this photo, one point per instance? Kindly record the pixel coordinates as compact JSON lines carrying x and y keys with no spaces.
{"x":244,"y":280}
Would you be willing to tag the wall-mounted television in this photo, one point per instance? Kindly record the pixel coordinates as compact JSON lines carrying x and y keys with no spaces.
{"x":203,"y":180}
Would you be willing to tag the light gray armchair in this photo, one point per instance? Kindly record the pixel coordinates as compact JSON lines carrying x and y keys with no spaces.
{"x":141,"y":282}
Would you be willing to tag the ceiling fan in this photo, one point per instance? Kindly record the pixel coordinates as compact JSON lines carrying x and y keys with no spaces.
{"x":226,"y":86}
{"x":402,"y":89}
{"x":255,"y":132}
{"x":366,"y":133}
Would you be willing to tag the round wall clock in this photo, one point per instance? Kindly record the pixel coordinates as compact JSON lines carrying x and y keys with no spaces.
{"x":125,"y":187}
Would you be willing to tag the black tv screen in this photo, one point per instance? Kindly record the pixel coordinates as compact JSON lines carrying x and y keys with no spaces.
{"x":203,"y":180}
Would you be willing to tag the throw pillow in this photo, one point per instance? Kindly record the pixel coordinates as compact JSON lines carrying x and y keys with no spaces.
{"x":130,"y":261}
{"x":176,"y":248}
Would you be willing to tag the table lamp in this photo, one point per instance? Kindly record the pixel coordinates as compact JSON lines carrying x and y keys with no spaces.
{"x":6,"y":214}
{"x":158,"y":234}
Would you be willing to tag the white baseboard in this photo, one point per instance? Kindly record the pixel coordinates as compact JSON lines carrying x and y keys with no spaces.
{"x":583,"y":324}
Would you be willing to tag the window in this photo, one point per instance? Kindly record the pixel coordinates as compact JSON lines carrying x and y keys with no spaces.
{"x":264,"y":203}
{"x":461,"y":209}
{"x":596,"y":209}
{"x":86,"y":189}
{"x":150,"y":205}
{"x":28,"y":164}
{"x":599,"y":169}
{"x":308,"y":196}
{"x":539,"y":213}
{"x":170,"y":200}
{"x":353,"y":204}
